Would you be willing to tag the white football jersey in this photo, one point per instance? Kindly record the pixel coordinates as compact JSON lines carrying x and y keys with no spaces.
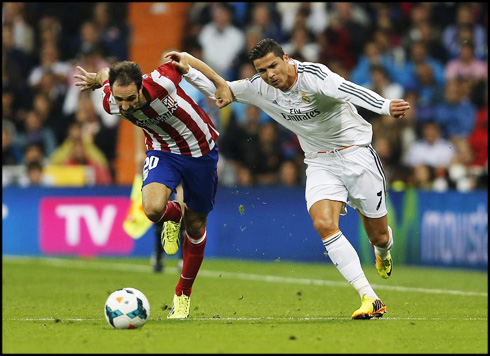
{"x":318,"y":108}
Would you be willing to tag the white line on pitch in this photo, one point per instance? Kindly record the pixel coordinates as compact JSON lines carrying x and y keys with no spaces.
{"x":70,"y":263}
{"x":257,"y":319}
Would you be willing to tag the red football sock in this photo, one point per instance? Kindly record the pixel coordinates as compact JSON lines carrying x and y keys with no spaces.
{"x":172,"y":212}
{"x":193,"y":255}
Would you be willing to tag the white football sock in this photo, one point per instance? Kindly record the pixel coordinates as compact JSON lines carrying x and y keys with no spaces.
{"x":384,"y":252}
{"x":346,"y":259}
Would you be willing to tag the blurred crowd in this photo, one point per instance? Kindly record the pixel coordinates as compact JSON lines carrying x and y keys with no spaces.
{"x":434,"y":55}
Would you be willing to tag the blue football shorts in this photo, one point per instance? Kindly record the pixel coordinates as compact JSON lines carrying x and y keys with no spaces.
{"x":199,"y":176}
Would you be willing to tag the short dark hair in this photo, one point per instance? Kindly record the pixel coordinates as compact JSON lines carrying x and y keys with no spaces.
{"x":38,"y":146}
{"x":381,"y":68}
{"x":34,"y":165}
{"x":264,"y":47}
{"x":125,"y":73}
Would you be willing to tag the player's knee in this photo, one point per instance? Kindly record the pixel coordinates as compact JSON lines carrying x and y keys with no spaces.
{"x":380,"y":237}
{"x":196,"y":228}
{"x":153,"y":211}
{"x":325,"y":226}
{"x":195,"y":223}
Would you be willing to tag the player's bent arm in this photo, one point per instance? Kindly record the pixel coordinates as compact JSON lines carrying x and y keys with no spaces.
{"x":223,"y":95}
{"x":200,"y":82}
{"x":203,"y":83}
{"x":202,"y":67}
{"x":91,"y":81}
{"x":101,"y":76}
{"x":369,"y":99}
{"x":335,"y":86}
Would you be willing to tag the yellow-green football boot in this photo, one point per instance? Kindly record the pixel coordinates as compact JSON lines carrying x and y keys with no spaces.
{"x":384,"y":267}
{"x":170,"y":235}
{"x":180,"y":307}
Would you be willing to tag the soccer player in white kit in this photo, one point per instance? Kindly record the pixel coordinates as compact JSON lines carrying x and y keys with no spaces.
{"x":342,"y":166}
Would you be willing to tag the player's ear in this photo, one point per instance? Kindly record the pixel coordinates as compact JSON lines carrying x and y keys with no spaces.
{"x":286,"y":57}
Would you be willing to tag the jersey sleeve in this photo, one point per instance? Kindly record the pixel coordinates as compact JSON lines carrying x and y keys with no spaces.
{"x":335,"y":86}
{"x":244,"y":91}
{"x":168,"y":70}
{"x":200,"y":82}
{"x":106,"y":96}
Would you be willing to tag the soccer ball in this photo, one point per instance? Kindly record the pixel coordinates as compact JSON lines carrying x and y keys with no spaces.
{"x":127,"y":308}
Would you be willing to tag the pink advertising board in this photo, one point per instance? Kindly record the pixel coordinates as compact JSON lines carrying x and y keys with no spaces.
{"x":84,"y":226}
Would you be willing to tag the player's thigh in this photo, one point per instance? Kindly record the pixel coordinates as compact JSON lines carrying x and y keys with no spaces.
{"x":200,"y":182}
{"x":160,"y":178}
{"x":155,"y":197}
{"x":323,"y":182}
{"x":365,"y":181}
{"x":325,"y":215}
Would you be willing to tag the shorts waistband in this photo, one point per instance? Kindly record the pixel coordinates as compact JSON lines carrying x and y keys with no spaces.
{"x":336,"y":150}
{"x":331,"y":153}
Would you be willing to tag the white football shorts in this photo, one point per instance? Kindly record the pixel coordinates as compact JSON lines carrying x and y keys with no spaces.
{"x":352,"y":175}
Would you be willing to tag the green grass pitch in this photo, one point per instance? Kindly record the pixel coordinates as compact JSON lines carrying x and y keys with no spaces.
{"x":55,"y":305}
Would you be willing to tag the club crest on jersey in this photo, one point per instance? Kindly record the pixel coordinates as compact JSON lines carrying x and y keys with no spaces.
{"x":305,"y":99}
{"x":166,"y":111}
{"x":170,"y":103}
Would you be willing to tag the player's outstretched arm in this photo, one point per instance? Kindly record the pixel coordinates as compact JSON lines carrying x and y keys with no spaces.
{"x":89,"y":80}
{"x":182,"y":61}
{"x":398,"y":108}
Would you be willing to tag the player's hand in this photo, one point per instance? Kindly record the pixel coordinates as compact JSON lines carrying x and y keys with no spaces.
{"x":398,"y":108}
{"x":179,"y":60}
{"x":223,"y":96}
{"x":88,"y":80}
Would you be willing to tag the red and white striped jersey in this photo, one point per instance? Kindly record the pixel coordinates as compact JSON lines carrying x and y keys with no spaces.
{"x":171,"y":121}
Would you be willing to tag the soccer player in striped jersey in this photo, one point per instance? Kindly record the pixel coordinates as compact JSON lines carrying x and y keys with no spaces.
{"x":342,"y":166}
{"x":181,"y":146}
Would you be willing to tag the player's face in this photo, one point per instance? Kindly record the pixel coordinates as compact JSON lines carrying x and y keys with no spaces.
{"x":126,"y":97}
{"x":274,"y":70}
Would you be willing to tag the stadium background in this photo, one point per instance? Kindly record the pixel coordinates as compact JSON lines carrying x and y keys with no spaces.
{"x":61,"y":153}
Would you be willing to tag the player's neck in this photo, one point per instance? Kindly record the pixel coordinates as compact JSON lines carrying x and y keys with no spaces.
{"x":145,"y":98}
{"x":292,"y":76}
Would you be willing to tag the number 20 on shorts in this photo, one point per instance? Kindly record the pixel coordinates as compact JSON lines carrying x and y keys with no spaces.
{"x":150,"y":163}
